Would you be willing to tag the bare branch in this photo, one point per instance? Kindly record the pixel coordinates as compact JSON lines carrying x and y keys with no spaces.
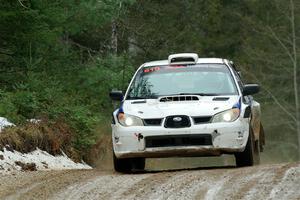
{"x":275,"y":99}
{"x":20,"y":1}
{"x":295,"y":74}
{"x":281,"y":43}
{"x":82,"y":47}
{"x":6,"y":53}
{"x":280,"y":105}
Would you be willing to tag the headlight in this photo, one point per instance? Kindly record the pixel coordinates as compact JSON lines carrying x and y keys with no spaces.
{"x":129,"y":120}
{"x":227,"y":116}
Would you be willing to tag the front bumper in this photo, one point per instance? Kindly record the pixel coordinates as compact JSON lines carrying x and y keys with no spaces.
{"x":129,"y":142}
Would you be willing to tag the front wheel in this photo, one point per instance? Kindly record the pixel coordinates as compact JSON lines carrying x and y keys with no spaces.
{"x":138,"y":164}
{"x":126,"y":165}
{"x":121,"y":165}
{"x":250,"y":156}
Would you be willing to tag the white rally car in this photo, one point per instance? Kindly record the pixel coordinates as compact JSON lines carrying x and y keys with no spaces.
{"x":186,"y":106}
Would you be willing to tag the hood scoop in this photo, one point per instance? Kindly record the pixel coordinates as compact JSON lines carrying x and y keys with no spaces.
{"x":179,"y":98}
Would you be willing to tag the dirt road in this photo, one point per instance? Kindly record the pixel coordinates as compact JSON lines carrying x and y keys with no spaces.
{"x":280,"y":181}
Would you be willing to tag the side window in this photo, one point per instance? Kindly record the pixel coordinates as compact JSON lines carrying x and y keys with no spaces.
{"x":246,"y":99}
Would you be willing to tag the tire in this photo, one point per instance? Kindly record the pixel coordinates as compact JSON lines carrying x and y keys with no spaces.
{"x":250,"y":156}
{"x":121,"y":165}
{"x":127,"y":165}
{"x":138,"y":164}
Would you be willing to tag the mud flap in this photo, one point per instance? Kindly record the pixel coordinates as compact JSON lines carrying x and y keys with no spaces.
{"x":262,"y":140}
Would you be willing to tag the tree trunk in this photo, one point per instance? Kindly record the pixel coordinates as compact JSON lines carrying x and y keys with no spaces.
{"x":114,"y":37}
{"x":295,"y":74}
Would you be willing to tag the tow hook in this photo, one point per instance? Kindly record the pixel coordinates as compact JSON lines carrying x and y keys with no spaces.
{"x":216,"y":133}
{"x":117,"y":140}
{"x":139,"y":136}
{"x":240,"y":134}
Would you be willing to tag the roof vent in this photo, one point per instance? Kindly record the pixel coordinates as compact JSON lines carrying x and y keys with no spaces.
{"x":183,"y":58}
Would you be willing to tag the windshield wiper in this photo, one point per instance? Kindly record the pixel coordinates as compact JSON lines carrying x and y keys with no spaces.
{"x":133,"y":98}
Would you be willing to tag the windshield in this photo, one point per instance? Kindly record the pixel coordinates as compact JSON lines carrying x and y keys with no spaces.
{"x":200,"y":79}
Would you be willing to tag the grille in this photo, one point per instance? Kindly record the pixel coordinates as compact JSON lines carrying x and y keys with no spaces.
{"x":202,"y":119}
{"x":152,"y":122}
{"x":178,"y":140}
{"x":177,"y":121}
{"x":179,"y":98}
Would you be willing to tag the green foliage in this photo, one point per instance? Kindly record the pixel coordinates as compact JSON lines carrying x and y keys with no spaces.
{"x":48,"y":71}
{"x":7,"y":107}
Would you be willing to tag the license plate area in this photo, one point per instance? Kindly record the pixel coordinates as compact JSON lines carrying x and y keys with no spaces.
{"x":178,"y":140}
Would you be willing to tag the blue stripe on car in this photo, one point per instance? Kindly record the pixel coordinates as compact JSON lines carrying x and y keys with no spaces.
{"x":121,"y":110}
{"x":238,"y":104}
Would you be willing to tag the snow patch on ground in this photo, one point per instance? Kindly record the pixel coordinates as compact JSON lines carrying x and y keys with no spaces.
{"x":4,"y":123}
{"x":34,"y":121}
{"x":10,"y":161}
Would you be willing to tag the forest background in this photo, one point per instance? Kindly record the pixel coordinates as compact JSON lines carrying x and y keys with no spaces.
{"x":60,"y":58}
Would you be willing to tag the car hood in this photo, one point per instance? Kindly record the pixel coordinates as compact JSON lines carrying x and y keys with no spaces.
{"x":153,"y":108}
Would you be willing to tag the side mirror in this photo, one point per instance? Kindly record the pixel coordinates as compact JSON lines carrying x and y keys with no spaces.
{"x":116,"y":95}
{"x":250,"y":89}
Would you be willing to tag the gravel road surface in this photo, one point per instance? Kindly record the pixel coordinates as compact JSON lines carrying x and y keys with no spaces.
{"x":277,"y":181}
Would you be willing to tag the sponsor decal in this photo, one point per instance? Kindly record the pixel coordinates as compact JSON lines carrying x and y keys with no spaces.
{"x":151,"y":69}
